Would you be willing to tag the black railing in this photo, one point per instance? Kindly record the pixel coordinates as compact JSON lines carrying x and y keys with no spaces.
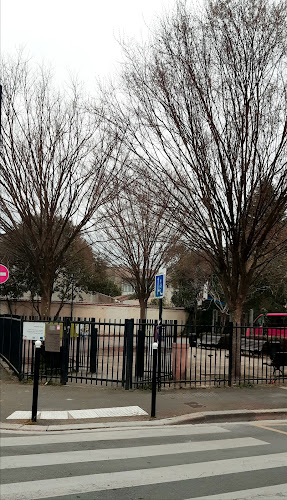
{"x":120,"y":353}
{"x":11,"y":342}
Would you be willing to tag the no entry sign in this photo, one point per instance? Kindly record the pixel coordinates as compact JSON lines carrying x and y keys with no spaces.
{"x":4,"y":273}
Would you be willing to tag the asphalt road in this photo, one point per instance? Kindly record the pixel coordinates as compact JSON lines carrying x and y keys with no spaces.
{"x":219,"y":462}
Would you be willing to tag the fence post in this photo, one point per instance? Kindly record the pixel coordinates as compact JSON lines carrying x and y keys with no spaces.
{"x":159,"y":336}
{"x":93,"y":347}
{"x":65,"y":350}
{"x":175,"y":330}
{"x":20,"y":376}
{"x":78,"y":347}
{"x":140,"y":350}
{"x":129,"y":334}
{"x":124,"y":358}
{"x":230,"y":327}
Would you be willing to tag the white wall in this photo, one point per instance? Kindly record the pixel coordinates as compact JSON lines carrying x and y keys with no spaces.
{"x":113,"y":312}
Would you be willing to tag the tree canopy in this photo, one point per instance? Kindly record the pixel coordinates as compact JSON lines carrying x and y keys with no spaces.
{"x":206,"y":112}
{"x":58,"y":168}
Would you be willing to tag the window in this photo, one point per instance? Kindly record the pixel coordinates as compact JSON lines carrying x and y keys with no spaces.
{"x":127,"y":289}
{"x":259,"y":321}
{"x":276,"y":321}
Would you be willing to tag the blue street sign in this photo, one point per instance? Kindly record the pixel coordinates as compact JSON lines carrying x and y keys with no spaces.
{"x":159,"y":286}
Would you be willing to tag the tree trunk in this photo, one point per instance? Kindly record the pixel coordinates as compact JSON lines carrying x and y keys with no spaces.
{"x":45,"y":302}
{"x":143,"y":308}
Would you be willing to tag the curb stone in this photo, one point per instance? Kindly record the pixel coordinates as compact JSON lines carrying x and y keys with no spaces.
{"x":190,"y":418}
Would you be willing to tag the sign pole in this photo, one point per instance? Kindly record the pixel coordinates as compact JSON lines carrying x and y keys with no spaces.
{"x":160,"y":311}
{"x":160,"y":280}
{"x":38,"y":344}
{"x":159,"y":343}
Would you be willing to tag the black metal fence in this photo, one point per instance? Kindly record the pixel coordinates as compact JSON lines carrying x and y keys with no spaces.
{"x":11,"y":342}
{"x":120,"y":354}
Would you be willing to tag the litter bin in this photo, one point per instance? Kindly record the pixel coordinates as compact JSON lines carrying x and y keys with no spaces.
{"x":192,"y":339}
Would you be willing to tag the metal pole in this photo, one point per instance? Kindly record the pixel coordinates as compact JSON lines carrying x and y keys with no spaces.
{"x":153,"y":392}
{"x":93,"y":347}
{"x":38,"y":344}
{"x":129,"y":329}
{"x":65,"y":351}
{"x":159,"y":344}
{"x":230,"y":354}
{"x":72,"y":299}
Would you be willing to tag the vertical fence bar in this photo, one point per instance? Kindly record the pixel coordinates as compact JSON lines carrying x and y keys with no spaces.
{"x":140,"y":349}
{"x":175,"y":331}
{"x":124,"y":358}
{"x":230,"y":355}
{"x":78,"y":339}
{"x":103,"y":351}
{"x":119,"y":350}
{"x":108,"y":351}
{"x":65,"y":351}
{"x":159,"y":335}
{"x":114,"y":342}
{"x":129,"y":333}
{"x":165,"y":352}
{"x":98,"y":350}
{"x":20,"y":349}
{"x":93,"y":347}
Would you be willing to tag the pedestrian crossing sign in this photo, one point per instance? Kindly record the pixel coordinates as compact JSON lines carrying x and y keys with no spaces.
{"x":159,"y":286}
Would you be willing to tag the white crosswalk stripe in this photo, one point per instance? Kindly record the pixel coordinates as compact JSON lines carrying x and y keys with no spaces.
{"x":124,"y":433}
{"x":124,"y":453}
{"x":157,"y":460}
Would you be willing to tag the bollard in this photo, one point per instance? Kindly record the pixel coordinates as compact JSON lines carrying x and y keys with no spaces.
{"x":153,"y":391}
{"x":38,"y":344}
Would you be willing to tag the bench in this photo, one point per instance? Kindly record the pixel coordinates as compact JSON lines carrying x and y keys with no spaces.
{"x":278,"y":360}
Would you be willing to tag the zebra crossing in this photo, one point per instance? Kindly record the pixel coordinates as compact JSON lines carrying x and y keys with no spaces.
{"x":216,"y":462}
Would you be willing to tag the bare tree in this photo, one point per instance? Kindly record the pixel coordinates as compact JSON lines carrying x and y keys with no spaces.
{"x":207,"y":107}
{"x":58,"y":168}
{"x":138,"y":238}
{"x":80,"y":271}
{"x":189,"y":274}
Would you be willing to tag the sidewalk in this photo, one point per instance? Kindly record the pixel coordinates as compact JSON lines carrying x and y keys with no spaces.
{"x":172,"y":405}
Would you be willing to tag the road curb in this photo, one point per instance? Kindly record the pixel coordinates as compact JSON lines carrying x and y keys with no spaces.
{"x":190,"y":418}
{"x":232,"y":416}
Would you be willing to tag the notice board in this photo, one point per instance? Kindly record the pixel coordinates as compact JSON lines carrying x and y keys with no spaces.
{"x":53,"y":337}
{"x":34,"y":330}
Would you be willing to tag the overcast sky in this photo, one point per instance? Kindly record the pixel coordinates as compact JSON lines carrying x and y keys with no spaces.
{"x":75,"y":35}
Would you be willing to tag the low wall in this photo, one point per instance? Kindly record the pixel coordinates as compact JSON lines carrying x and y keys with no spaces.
{"x":113,"y":312}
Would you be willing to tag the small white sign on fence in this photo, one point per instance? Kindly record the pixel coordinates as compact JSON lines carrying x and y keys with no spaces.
{"x":33,"y":330}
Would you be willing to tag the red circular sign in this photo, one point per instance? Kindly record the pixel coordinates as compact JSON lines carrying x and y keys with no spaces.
{"x":4,"y":273}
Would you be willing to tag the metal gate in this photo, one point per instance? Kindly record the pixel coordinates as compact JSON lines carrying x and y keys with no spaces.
{"x":120,"y":354}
